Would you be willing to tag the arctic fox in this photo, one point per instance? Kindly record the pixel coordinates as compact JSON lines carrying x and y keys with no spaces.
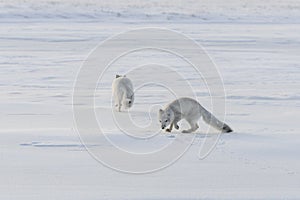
{"x":190,"y":110}
{"x":123,"y":94}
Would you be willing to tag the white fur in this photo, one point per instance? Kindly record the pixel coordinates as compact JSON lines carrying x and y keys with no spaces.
{"x":190,"y":110}
{"x":123,"y":94}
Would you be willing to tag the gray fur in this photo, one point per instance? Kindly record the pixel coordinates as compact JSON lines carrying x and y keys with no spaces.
{"x":190,"y":110}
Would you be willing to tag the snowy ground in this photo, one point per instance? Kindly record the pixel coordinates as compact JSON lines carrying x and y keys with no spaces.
{"x":256,"y":48}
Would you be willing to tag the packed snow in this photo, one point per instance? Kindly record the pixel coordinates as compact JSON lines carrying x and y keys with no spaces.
{"x":255,"y":46}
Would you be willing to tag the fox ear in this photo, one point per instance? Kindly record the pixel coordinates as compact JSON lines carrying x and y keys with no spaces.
{"x":117,"y":75}
{"x":160,"y":111}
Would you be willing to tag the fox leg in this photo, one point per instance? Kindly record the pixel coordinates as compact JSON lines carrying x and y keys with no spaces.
{"x":171,"y":127}
{"x":175,"y":123}
{"x":116,"y":101}
{"x":119,"y":104}
{"x":120,"y":100}
{"x":194,"y":126}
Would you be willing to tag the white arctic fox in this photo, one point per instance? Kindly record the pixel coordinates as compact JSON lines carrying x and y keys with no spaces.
{"x":190,"y":110}
{"x":123,"y":94}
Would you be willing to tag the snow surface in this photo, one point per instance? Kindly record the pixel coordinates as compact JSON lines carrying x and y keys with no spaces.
{"x":256,"y":47}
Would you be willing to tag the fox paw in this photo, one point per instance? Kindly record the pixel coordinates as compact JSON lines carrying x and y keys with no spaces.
{"x":168,"y":130}
{"x":186,"y":131}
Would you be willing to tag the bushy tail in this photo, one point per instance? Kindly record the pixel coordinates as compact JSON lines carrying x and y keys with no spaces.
{"x":213,"y":121}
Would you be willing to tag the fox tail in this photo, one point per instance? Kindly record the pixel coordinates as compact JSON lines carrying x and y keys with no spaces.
{"x":213,"y":121}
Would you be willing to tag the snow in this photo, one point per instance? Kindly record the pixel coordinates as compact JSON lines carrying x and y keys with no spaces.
{"x":255,"y":46}
{"x":133,"y":11}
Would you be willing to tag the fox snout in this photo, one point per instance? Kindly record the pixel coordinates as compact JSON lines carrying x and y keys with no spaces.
{"x":163,"y":127}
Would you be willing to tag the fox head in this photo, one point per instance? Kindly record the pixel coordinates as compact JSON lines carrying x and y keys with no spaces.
{"x":166,"y":117}
{"x":128,"y":102}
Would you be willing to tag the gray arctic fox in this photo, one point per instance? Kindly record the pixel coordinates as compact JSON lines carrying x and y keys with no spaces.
{"x":190,"y":110}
